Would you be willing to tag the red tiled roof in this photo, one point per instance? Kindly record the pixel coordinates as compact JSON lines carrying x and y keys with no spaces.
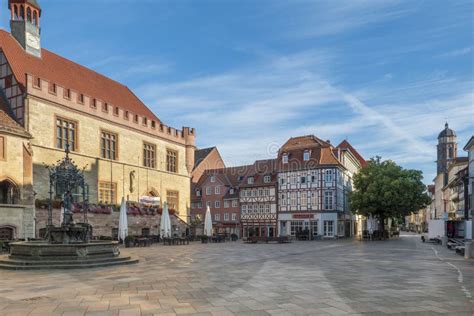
{"x":258,"y":171}
{"x":70,"y":75}
{"x":346,"y":145}
{"x":8,"y":125}
{"x":320,"y":153}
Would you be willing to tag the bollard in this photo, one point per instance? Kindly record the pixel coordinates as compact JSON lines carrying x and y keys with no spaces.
{"x":468,"y":250}
{"x":444,"y":241}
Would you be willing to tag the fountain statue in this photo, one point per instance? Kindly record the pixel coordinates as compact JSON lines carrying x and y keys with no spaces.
{"x":69,"y":245}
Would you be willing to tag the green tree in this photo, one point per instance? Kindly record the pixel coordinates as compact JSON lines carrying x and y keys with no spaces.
{"x":385,"y":190}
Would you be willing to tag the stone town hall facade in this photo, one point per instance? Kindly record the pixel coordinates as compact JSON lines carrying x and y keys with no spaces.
{"x":126,"y":149}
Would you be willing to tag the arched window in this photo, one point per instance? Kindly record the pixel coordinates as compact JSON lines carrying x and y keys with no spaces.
{"x":35,"y":18}
{"x":15,"y":12}
{"x":28,"y":14}
{"x":8,"y":192}
{"x":22,"y":13}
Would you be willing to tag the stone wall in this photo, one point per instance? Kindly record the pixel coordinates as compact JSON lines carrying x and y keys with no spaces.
{"x":42,"y":124}
{"x":102,"y":224}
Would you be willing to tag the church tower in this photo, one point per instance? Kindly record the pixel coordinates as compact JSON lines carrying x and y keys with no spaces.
{"x":25,"y":24}
{"x":447,"y":149}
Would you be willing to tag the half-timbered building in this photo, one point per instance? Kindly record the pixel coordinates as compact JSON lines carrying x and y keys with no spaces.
{"x":258,"y":200}
{"x":314,"y":179}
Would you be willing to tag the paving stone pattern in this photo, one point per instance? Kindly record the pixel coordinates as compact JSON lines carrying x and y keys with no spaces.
{"x":337,"y":277}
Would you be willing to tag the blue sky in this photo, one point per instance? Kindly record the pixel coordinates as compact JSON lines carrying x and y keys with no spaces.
{"x":250,"y":74}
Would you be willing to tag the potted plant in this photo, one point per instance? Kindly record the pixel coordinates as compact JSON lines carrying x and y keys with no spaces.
{"x":204,"y":239}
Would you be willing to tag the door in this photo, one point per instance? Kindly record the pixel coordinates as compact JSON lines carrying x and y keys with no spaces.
{"x":328,"y":228}
{"x":271,"y":232}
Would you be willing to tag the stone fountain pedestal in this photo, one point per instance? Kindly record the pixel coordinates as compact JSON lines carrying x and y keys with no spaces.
{"x":34,"y":255}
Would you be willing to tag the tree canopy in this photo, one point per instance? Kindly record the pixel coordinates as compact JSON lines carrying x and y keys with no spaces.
{"x":385,"y":190}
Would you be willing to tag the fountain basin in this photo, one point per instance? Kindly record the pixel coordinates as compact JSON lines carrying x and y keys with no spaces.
{"x":42,"y":255}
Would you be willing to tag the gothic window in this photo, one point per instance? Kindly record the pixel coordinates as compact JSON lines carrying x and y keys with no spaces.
{"x":35,"y":18}
{"x":15,"y":11}
{"x":66,"y":134}
{"x":22,"y":13}
{"x":8,"y":192}
{"x":450,"y":152}
{"x":171,"y":161}
{"x":107,"y":192}
{"x":108,"y":145}
{"x":172,"y":197}
{"x":149,"y":155}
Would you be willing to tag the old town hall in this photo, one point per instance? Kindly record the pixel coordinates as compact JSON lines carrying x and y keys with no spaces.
{"x":48,"y":103}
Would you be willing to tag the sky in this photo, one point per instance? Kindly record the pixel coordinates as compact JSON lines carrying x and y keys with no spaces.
{"x":248,"y":75}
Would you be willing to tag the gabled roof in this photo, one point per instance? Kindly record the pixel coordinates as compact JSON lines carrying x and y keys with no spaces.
{"x":346,"y":145}
{"x":469,"y":143}
{"x":320,"y":154}
{"x":201,"y":154}
{"x":302,"y":142}
{"x":229,"y":176}
{"x":70,"y":75}
{"x":8,"y":125}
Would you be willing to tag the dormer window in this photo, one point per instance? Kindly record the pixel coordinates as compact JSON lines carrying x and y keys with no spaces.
{"x":306,"y":155}
{"x":80,"y":98}
{"x":285,"y":158}
{"x":105,"y":107}
{"x":213,"y":179}
{"x":116,"y":110}
{"x":94,"y":103}
{"x":250,"y":180}
{"x":267,"y":179}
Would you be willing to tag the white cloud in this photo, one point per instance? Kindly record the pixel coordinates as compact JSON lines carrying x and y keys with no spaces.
{"x":249,"y":112}
{"x":457,"y":52}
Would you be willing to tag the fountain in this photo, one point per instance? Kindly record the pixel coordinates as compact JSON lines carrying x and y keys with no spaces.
{"x":68,"y":246}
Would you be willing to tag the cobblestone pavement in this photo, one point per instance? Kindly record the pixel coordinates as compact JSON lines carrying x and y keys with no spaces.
{"x":337,"y":277}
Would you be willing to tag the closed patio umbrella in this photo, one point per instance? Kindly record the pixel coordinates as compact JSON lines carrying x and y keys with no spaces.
{"x":208,"y":223}
{"x":165,"y":223}
{"x":123,"y":221}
